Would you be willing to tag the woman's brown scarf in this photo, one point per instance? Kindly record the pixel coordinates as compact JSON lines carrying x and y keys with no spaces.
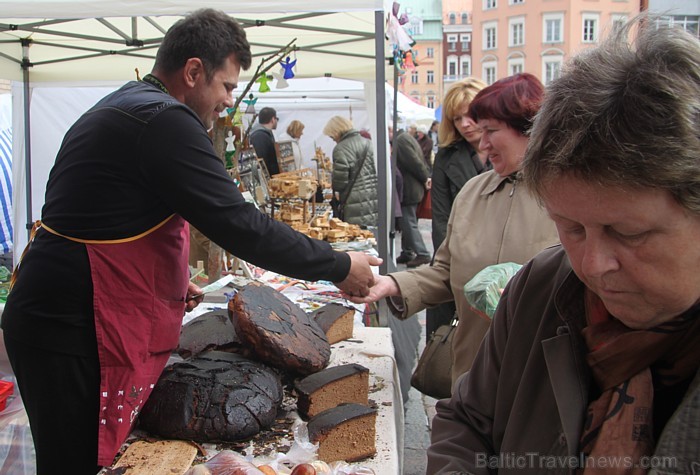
{"x":618,"y":428}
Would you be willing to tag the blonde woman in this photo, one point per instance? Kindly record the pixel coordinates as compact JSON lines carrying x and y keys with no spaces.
{"x":457,"y":161}
{"x":295,"y":130}
{"x":354,"y":173}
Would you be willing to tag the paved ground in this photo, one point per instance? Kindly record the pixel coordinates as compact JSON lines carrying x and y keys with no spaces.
{"x":419,"y":412}
{"x":420,"y":409}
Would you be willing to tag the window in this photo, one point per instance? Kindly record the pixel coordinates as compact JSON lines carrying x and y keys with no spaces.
{"x":416,"y":97}
{"x":515,"y":66}
{"x":489,"y":35}
{"x":553,"y":28}
{"x":452,"y":63}
{"x":414,"y":77}
{"x":489,"y":4}
{"x":465,"y":18}
{"x":466,"y":66}
{"x":430,"y":52}
{"x":688,"y":22}
{"x":517,"y":2}
{"x":590,"y":27}
{"x":431,"y":77}
{"x":618,"y":20}
{"x":465,"y":39}
{"x":551,"y":67}
{"x":414,"y":26}
{"x":430,"y":101}
{"x":490,"y":72}
{"x":453,"y":19}
{"x":516,"y":31}
{"x":451,"y":42}
{"x":452,"y":68}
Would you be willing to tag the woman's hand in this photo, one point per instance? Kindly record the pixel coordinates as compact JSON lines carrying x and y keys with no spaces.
{"x":384,"y":286}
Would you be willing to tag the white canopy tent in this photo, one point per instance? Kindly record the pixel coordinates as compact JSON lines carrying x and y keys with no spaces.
{"x":56,"y":106}
{"x":68,"y":43}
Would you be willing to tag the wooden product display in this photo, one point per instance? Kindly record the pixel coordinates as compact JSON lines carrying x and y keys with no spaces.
{"x":324,"y":168}
{"x":285,"y":156}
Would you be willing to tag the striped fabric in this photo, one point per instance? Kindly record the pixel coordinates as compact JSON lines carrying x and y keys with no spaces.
{"x":5,"y":191}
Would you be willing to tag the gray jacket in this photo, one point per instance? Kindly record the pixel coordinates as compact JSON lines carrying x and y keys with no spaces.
{"x":360,"y":201}
{"x":523,"y":405}
{"x":410,"y":162}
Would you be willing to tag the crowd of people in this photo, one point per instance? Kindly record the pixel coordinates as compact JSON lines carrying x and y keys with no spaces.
{"x":594,"y":350}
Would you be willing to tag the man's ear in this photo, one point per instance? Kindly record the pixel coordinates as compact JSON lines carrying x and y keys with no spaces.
{"x":193,"y":70}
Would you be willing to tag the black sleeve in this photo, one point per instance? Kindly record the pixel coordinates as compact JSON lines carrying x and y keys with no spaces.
{"x":441,"y":201}
{"x":185,"y":172}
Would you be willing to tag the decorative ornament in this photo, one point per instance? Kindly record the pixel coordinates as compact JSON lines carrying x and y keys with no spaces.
{"x":408,"y":60}
{"x":230,"y":149}
{"x":287,"y":66}
{"x":262,"y":80}
{"x":251,"y":104}
{"x":395,"y":32}
{"x":281,"y":81}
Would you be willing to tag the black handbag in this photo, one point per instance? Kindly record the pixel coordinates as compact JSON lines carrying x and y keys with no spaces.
{"x":338,"y":208}
{"x":433,"y":374}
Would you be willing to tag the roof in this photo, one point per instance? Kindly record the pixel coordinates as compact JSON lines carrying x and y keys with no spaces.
{"x":110,"y":39}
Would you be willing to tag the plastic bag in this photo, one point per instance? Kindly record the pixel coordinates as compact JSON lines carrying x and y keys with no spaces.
{"x":226,"y":462}
{"x":484,"y":290}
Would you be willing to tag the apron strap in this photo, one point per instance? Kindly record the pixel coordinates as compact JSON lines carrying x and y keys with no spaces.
{"x":38,"y":225}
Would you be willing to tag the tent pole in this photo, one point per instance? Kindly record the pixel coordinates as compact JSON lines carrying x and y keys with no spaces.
{"x":382,"y":169}
{"x":384,"y":182}
{"x":26,"y":64}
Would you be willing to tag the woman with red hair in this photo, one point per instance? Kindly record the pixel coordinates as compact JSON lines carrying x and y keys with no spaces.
{"x":493,"y":219}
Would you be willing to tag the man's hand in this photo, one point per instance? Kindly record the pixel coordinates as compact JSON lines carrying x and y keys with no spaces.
{"x":384,"y":286}
{"x":192,"y":291}
{"x":361,"y":277}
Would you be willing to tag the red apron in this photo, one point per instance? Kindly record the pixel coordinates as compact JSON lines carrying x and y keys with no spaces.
{"x":140,"y":284}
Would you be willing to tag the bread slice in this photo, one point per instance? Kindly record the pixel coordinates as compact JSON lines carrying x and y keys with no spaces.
{"x":335,"y":320}
{"x":345,"y":432}
{"x":331,"y":387}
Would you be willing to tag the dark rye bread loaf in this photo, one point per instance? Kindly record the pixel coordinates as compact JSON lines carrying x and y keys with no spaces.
{"x":335,"y":320}
{"x":209,"y":331}
{"x":278,"y":331}
{"x":216,"y":396}
{"x":345,"y":432}
{"x":331,"y":387}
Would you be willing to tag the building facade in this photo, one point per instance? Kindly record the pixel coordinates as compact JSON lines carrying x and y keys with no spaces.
{"x":424,"y":82}
{"x":683,"y":13}
{"x":538,"y":36}
{"x":457,"y":40}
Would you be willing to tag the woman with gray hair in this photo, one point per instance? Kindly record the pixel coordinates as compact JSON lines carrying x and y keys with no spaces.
{"x":593,"y":354}
{"x":354,"y":173}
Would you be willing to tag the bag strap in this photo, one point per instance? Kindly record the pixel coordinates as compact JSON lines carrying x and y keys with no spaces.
{"x":359,"y":169}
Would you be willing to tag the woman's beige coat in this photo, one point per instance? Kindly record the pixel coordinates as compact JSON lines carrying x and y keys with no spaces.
{"x":493,"y":220}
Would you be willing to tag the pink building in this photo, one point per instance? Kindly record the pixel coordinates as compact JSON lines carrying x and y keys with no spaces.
{"x":457,"y":40}
{"x":538,"y":36}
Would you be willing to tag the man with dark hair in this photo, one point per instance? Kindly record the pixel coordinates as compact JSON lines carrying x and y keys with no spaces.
{"x":262,"y":138}
{"x":97,"y":304}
